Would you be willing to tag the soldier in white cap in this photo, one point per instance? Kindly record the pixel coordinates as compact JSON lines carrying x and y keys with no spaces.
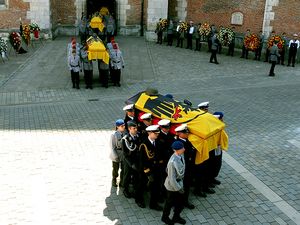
{"x":203,"y":106}
{"x":165,"y":137}
{"x":150,"y":160}
{"x":130,"y":114}
{"x":182,"y":133}
{"x":146,"y":121}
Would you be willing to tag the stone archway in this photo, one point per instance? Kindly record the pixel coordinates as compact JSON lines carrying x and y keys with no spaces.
{"x":93,"y":6}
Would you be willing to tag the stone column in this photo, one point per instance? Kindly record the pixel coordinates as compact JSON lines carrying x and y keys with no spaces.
{"x":269,"y":16}
{"x":39,"y":13}
{"x":181,"y":9}
{"x":156,"y":9}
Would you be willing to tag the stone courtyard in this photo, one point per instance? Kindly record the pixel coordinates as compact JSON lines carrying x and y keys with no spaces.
{"x":54,"y":140}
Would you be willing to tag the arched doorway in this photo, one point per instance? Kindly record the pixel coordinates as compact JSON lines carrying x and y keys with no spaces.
{"x":93,"y":6}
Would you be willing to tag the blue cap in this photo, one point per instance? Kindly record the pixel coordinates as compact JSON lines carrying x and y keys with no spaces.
{"x":177,"y":145}
{"x":119,"y":122}
{"x":219,"y":114}
{"x":169,"y":96}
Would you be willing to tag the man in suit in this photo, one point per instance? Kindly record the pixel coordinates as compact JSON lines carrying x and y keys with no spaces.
{"x":189,"y":35}
{"x":293,"y":46}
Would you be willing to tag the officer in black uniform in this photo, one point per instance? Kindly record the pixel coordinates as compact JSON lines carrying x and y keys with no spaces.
{"x":151,"y":161}
{"x":166,"y":138}
{"x":130,"y":147}
{"x":182,"y":133}
{"x":146,"y":121}
{"x":130,"y":114}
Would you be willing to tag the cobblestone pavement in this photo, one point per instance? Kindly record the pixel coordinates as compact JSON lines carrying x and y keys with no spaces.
{"x":54,"y":166}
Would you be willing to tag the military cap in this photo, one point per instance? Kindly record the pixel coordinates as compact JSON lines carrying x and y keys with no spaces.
{"x":164,"y":123}
{"x":153,"y":128}
{"x":146,"y":116}
{"x":182,"y":128}
{"x":131,"y":123}
{"x":119,"y":122}
{"x":295,"y":35}
{"x":177,"y":145}
{"x":128,"y":107}
{"x":203,"y":105}
{"x":218,"y":115}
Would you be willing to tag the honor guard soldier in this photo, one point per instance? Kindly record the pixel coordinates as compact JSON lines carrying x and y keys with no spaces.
{"x":117,"y":153}
{"x":174,"y":185}
{"x":274,"y":56}
{"x":151,"y":162}
{"x":130,"y":147}
{"x":231,"y":44}
{"x":146,"y":121}
{"x":198,"y":38}
{"x":189,"y":35}
{"x":293,"y":46}
{"x":214,"y":49}
{"x":166,"y":138}
{"x":259,"y":49}
{"x":215,"y":157}
{"x":203,"y":106}
{"x":130,"y":114}
{"x":182,"y":133}
{"x":245,"y":51}
{"x":268,"y":49}
{"x":87,"y":66}
{"x":170,"y":31}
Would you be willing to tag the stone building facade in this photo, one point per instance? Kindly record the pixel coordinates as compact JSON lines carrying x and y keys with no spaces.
{"x":139,"y":17}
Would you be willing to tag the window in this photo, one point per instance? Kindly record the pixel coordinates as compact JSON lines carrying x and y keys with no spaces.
{"x":3,"y":4}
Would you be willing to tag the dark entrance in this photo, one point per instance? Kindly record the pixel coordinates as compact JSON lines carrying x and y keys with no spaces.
{"x":93,"y":6}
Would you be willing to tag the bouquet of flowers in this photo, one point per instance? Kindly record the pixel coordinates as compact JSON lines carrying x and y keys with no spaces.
{"x":205,"y":29}
{"x":251,"y":42}
{"x":3,"y":45}
{"x":183,"y":27}
{"x":26,"y":34}
{"x":278,"y":39}
{"x":225,"y":36}
{"x":34,"y":27}
{"x":15,"y":40}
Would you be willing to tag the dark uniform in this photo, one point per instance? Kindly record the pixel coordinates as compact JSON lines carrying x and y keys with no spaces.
{"x":151,"y":165}
{"x":259,"y":49}
{"x":294,"y":45}
{"x":130,"y":146}
{"x":274,"y":55}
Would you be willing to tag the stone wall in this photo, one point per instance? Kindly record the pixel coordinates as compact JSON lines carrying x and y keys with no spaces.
{"x":10,"y":17}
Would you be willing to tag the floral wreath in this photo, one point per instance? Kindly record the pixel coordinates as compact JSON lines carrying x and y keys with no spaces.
{"x":225,"y":36}
{"x":251,"y":42}
{"x":26,"y":34}
{"x":278,"y":39}
{"x":34,"y":27}
{"x":163,"y":23}
{"x":3,"y":45}
{"x":183,"y":26}
{"x":15,"y":40}
{"x":205,"y":29}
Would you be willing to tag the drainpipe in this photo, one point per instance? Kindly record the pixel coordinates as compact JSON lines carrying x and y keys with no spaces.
{"x":142,"y":17}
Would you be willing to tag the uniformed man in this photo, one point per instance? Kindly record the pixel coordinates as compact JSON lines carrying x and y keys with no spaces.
{"x":174,"y":185}
{"x":283,"y":50}
{"x":130,"y":114}
{"x":198,"y":38}
{"x":170,"y":31}
{"x":87,"y":66}
{"x":151,"y":159}
{"x":214,"y":49}
{"x":74,"y":67}
{"x":117,"y":153}
{"x":116,"y":64}
{"x":203,"y":106}
{"x":259,"y":49}
{"x":103,"y":72}
{"x":182,"y":133}
{"x":159,"y":32}
{"x":245,"y":50}
{"x":166,"y":138}
{"x":274,"y":55}
{"x":146,"y":121}
{"x":231,"y":45}
{"x":189,"y":35}
{"x":293,"y":46}
{"x":130,"y":147}
{"x":267,"y":59}
{"x":180,"y":35}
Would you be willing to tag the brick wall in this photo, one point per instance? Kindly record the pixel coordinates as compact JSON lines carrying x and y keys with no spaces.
{"x":63,"y":12}
{"x":134,"y":13}
{"x":10,"y":18}
{"x":219,"y":12}
{"x":287,"y":17}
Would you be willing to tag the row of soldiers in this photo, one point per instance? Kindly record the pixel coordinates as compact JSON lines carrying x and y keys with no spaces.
{"x":147,"y":153}
{"x":193,"y":32}
{"x":78,"y":60}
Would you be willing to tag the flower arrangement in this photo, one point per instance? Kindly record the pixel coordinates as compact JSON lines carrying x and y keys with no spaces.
{"x":163,"y":23}
{"x":3,"y":45}
{"x":251,"y":42}
{"x":277,"y":38}
{"x":205,"y":29}
{"x":183,"y":27}
{"x":34,"y":27}
{"x":225,"y":36}
{"x":26,"y":34}
{"x":15,"y":40}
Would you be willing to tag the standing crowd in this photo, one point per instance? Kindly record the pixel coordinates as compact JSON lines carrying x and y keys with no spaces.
{"x":190,"y":32}
{"x":78,"y":55}
{"x":156,"y":161}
